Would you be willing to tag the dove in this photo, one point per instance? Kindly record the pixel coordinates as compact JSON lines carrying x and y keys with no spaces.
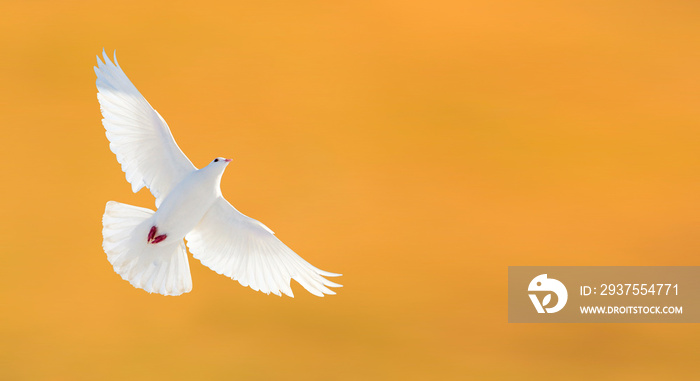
{"x":147,"y":248}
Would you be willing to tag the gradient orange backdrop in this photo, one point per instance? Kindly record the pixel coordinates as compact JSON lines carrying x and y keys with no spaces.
{"x":419,"y":148}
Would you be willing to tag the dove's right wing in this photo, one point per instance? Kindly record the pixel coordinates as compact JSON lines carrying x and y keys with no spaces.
{"x":244,"y":249}
{"x":138,"y":135}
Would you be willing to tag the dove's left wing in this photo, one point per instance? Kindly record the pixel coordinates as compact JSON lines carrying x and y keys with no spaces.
{"x":244,"y":249}
{"x":138,"y":135}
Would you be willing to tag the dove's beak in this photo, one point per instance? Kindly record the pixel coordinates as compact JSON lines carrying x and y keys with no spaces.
{"x":228,"y":160}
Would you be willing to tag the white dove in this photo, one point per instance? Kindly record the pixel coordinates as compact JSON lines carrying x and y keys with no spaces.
{"x":146,"y":248}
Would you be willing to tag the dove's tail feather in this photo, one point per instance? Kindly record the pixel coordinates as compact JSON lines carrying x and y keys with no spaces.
{"x":161,"y":268}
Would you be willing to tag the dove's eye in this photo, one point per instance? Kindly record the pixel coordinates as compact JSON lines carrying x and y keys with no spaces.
{"x":215,"y":160}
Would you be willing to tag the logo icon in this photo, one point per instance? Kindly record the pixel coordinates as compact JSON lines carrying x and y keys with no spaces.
{"x":542,"y":283}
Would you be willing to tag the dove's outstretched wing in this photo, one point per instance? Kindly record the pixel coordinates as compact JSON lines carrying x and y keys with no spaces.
{"x":244,"y":249}
{"x":137,"y":134}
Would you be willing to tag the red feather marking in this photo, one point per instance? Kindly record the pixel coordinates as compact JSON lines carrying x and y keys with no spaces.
{"x":159,"y":238}
{"x":152,"y":233}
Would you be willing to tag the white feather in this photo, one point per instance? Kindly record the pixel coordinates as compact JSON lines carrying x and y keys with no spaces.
{"x":138,"y":135}
{"x":162,"y":269}
{"x":244,"y":249}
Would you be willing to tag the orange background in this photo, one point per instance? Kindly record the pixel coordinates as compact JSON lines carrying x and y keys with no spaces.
{"x":419,"y":148}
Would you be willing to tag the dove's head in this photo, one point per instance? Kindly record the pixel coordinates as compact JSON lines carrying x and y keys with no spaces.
{"x":217,"y":166}
{"x":212,"y":172}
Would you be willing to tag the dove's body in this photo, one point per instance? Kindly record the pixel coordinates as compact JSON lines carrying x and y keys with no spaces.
{"x":147,"y":248}
{"x":185,"y":205}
